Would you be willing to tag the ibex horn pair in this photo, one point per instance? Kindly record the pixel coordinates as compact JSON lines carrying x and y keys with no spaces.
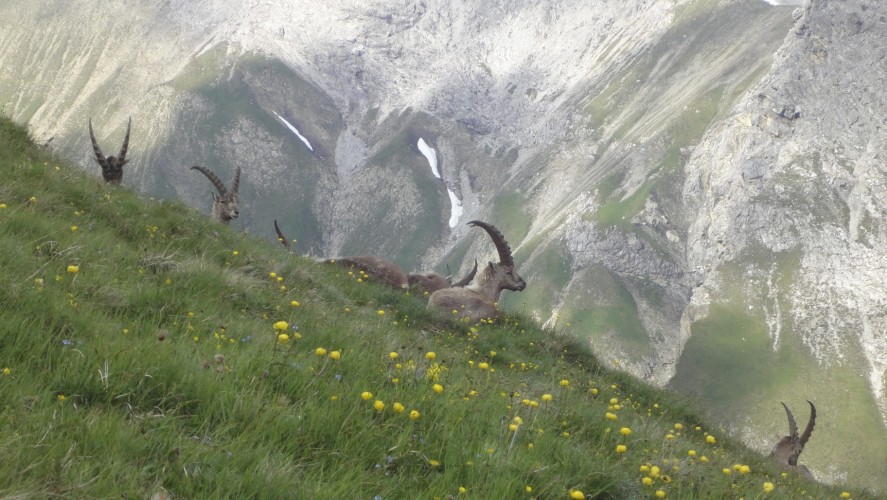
{"x":112,"y":167}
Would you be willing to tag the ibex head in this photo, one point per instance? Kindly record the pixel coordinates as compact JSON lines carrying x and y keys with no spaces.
{"x":789,"y":448}
{"x":112,"y":166}
{"x":226,"y":203}
{"x":502,"y":272}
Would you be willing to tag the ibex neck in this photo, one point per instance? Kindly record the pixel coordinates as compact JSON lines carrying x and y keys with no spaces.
{"x":488,"y":287}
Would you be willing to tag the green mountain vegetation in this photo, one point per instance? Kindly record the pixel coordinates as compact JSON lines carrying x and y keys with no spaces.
{"x":146,"y":353}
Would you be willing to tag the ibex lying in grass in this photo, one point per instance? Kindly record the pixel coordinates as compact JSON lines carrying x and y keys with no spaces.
{"x":112,"y":167}
{"x":480,"y":299}
{"x":226,"y":203}
{"x":387,"y":272}
{"x":429,"y":283}
{"x":789,"y":448}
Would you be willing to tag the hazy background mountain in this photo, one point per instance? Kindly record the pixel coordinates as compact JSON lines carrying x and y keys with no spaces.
{"x":697,"y":187}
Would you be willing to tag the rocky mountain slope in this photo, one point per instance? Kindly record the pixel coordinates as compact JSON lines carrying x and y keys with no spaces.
{"x":696,"y":186}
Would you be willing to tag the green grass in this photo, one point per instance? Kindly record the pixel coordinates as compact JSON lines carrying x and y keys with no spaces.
{"x":156,"y":367}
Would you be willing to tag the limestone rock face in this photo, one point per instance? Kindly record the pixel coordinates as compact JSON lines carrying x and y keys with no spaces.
{"x":695,"y":186}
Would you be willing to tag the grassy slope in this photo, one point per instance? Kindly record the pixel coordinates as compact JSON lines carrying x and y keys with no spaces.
{"x":729,"y":364}
{"x":155,"y":367}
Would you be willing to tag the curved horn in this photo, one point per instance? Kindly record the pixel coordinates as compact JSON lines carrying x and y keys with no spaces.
{"x":280,"y":236}
{"x":467,"y":279}
{"x":502,"y":247}
{"x":810,"y":424}
{"x":99,"y":156}
{"x":212,"y":178}
{"x":235,"y":186}
{"x":792,"y":426}
{"x":122,"y":156}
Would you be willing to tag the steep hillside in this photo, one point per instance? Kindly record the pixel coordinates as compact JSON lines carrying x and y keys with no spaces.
{"x":146,"y":353}
{"x":693,"y":187}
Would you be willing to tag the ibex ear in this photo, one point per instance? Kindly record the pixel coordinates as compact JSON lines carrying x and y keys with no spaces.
{"x":492,"y":266}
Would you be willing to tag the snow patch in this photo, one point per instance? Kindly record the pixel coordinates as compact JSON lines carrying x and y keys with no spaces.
{"x":785,"y":2}
{"x":456,"y":210}
{"x":431,"y":155}
{"x":295,"y":131}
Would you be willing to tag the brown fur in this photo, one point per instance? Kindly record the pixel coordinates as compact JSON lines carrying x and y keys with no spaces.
{"x":376,"y":269}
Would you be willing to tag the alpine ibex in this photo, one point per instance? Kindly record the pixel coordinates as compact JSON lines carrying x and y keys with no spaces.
{"x":387,"y":272}
{"x":480,"y":299}
{"x":789,"y":448}
{"x":225,"y":204}
{"x":429,"y":283}
{"x":112,"y":167}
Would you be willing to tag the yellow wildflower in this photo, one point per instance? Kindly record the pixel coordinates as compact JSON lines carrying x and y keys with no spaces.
{"x":392,"y":355}
{"x":768,"y":487}
{"x":320,"y":351}
{"x":710,"y":439}
{"x":546,"y":397}
{"x":336,"y":355}
{"x":73,"y":269}
{"x":625,"y":431}
{"x":414,"y":415}
{"x":295,"y":303}
{"x":6,"y":371}
{"x":281,"y":326}
{"x":660,"y":494}
{"x":379,"y":405}
{"x":366,"y":395}
{"x":398,"y":408}
{"x":577,"y":494}
{"x":430,"y":355}
{"x":621,"y":448}
{"x":437,"y":388}
{"x":647,"y":481}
